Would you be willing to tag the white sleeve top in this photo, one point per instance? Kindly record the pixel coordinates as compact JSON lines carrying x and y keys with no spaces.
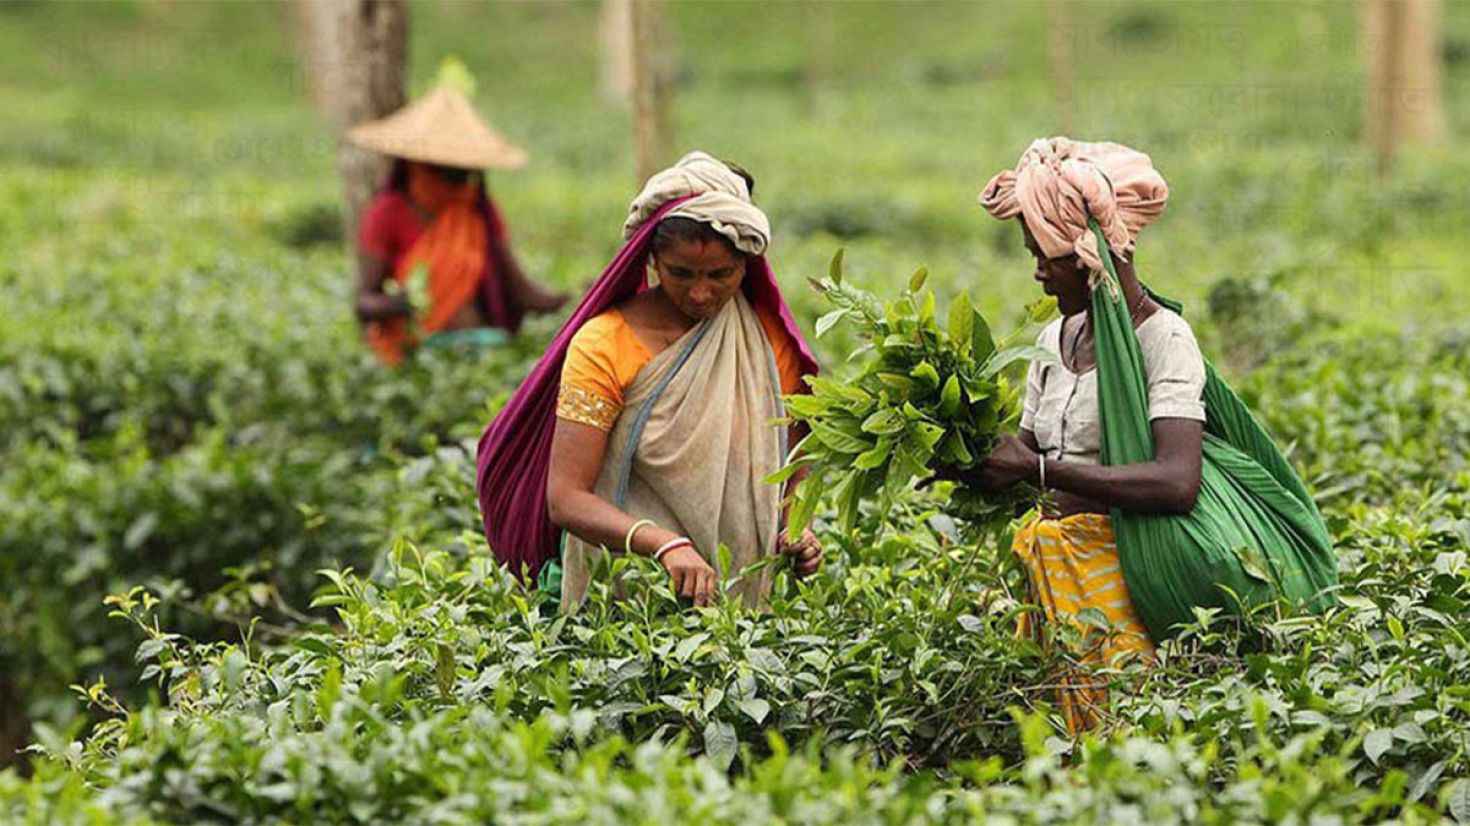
{"x":1061,"y":407}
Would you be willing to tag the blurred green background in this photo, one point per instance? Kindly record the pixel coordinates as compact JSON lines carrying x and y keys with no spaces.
{"x":868,"y":124}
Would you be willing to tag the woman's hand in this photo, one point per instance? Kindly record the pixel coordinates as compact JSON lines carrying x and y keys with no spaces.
{"x":1012,"y":462}
{"x":692,"y":577}
{"x":807,"y":552}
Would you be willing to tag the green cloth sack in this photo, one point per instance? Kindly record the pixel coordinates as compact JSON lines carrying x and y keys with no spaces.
{"x":1254,"y":534}
{"x":548,"y":581}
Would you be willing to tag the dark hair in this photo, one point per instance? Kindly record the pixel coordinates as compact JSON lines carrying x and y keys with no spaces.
{"x":452,"y":174}
{"x":671,"y":231}
{"x":744,"y":175}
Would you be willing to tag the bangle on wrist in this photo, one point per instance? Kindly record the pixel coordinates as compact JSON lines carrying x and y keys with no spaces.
{"x":1041,"y":470}
{"x":628,"y":540}
{"x":677,"y":542}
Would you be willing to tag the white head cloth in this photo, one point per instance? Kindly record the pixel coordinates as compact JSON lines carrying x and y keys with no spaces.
{"x":721,"y":200}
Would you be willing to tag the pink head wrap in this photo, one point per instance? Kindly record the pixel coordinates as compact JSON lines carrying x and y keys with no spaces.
{"x":1059,"y":182}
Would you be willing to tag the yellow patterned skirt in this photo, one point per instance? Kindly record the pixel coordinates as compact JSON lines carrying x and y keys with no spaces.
{"x":1072,"y":566}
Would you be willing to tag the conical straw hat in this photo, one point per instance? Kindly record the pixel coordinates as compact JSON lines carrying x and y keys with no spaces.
{"x":443,"y":128}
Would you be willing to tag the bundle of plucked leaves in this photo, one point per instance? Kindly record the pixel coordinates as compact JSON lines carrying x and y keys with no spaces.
{"x":929,"y":398}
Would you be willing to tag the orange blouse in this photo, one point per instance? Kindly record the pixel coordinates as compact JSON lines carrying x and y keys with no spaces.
{"x":605,"y":356}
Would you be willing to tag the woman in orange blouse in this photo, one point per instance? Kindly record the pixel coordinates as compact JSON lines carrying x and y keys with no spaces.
{"x":665,"y":412}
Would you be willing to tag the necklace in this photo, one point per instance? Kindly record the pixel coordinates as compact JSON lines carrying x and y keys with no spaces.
{"x":1137,"y":305}
{"x":1086,"y":325}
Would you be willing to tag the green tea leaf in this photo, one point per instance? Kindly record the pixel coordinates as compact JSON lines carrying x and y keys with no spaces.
{"x":982,"y":342}
{"x":726,"y":559}
{"x":954,"y":452}
{"x":885,"y":422}
{"x":1042,"y":310}
{"x":1005,"y":358}
{"x":807,"y":406}
{"x":1458,"y":800}
{"x":1377,"y":743}
{"x":720,"y":743}
{"x":949,"y":397}
{"x":961,"y":322}
{"x":755,"y":708}
{"x":688,"y":646}
{"x":791,"y":469}
{"x":849,"y":500}
{"x":803,"y":507}
{"x":903,"y":384}
{"x":834,"y":269}
{"x":828,"y":321}
{"x":837,"y":390}
{"x":839,"y":441}
{"x":916,"y":281}
{"x":926,"y":374}
{"x":929,"y":434}
{"x":444,"y":668}
{"x":875,"y":458}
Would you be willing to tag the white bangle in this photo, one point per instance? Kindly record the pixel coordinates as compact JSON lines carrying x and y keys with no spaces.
{"x":1042,"y":457}
{"x":677,"y":542}
{"x":628,"y":540}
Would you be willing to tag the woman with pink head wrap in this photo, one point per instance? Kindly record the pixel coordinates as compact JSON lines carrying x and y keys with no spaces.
{"x":1139,"y":443}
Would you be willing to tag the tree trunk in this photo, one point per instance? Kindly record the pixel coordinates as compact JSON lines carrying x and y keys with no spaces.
{"x":820,"y":41}
{"x":650,"y":89}
{"x":616,"y":39}
{"x":356,"y":54}
{"x":1062,"y":49}
{"x":1404,"y":101}
{"x":15,"y":728}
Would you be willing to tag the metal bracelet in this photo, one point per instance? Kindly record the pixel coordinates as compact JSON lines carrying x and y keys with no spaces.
{"x":628,"y":540}
{"x":677,"y":542}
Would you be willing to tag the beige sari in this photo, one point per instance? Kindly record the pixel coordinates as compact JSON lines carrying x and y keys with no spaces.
{"x":691,"y":447}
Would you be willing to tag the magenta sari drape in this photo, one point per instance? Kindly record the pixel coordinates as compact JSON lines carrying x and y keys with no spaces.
{"x":515,"y":450}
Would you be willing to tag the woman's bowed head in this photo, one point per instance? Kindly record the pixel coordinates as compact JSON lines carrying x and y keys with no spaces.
{"x":699,"y":271}
{"x":1056,"y":187}
{"x":689,"y":360}
{"x":1169,"y":484}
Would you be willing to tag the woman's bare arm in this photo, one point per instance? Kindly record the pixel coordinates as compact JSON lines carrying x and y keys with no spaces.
{"x":1168,"y":483}
{"x":373,"y":303}
{"x":577,"y":452}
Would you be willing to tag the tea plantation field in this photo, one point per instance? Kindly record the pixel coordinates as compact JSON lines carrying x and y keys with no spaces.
{"x":243,"y":578}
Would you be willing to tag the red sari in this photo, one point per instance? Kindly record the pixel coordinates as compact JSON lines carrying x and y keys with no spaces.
{"x":463,"y":247}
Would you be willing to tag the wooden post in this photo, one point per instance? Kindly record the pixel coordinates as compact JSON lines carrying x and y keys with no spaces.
{"x":1404,"y":96}
{"x":820,"y":44}
{"x":650,"y":90}
{"x":1062,"y":45}
{"x":616,"y":41}
{"x":356,"y":52}
{"x":1421,"y":67}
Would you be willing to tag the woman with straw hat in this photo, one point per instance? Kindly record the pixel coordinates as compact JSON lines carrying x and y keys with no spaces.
{"x":434,"y":262}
